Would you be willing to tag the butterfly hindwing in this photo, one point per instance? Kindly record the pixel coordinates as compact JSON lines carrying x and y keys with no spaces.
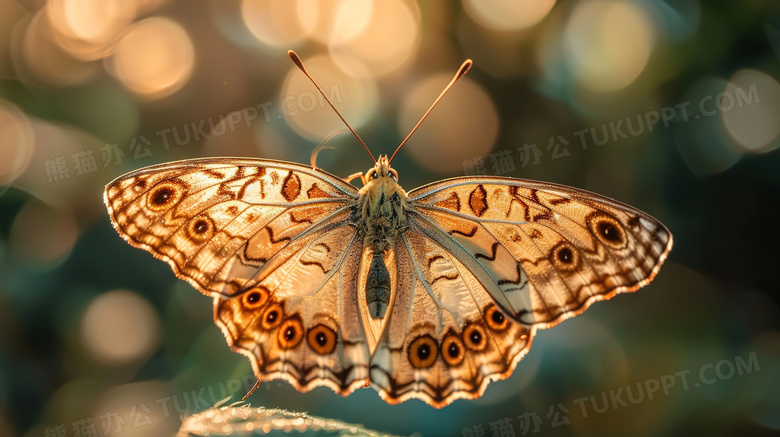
{"x":456,"y":339}
{"x":297,"y":322}
{"x":545,"y":252}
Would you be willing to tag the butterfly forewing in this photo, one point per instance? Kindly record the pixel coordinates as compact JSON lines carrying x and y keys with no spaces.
{"x":217,"y":221}
{"x":574,"y":247}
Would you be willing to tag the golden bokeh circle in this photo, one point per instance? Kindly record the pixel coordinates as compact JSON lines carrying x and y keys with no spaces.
{"x":353,"y":93}
{"x":608,"y":43}
{"x":120,"y":327}
{"x":463,"y":126}
{"x":155,"y":58}
{"x":88,"y":29}
{"x":507,"y":14}
{"x":16,"y":129}
{"x":389,"y":38}
{"x":276,"y":23}
{"x":749,"y":109}
{"x":43,"y":234}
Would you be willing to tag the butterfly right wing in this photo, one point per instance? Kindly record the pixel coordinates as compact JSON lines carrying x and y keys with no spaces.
{"x":485,"y":262}
{"x":456,"y":339}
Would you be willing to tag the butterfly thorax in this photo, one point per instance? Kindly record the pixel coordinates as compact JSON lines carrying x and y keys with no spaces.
{"x":382,"y":206}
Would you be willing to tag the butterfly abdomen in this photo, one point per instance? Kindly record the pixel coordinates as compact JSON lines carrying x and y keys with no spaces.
{"x":378,"y":287}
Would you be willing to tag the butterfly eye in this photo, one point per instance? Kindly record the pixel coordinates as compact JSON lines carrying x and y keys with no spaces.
{"x":272,"y":317}
{"x":290,"y":333}
{"x":608,"y":230}
{"x":496,"y":320}
{"x":322,"y":339}
{"x":422,"y":352}
{"x":452,"y":350}
{"x":200,"y":229}
{"x":255,"y":298}
{"x":474,"y":337}
{"x":164,"y":196}
{"x":565,"y":257}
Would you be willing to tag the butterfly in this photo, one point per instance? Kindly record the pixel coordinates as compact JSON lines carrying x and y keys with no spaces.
{"x":427,"y":294}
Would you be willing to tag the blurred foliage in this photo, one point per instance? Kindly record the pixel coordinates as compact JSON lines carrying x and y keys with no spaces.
{"x":94,"y":333}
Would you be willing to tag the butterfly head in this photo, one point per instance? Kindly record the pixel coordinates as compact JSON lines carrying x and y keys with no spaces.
{"x":382,"y":169}
{"x":382,"y":205}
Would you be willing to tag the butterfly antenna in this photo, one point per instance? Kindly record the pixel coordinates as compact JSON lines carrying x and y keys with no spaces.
{"x":295,"y":58}
{"x":464,"y":68}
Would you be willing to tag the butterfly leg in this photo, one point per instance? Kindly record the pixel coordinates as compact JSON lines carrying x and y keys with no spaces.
{"x":254,"y":387}
{"x":355,"y":176}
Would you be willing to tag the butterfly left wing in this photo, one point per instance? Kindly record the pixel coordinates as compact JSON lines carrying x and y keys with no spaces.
{"x":273,"y":243}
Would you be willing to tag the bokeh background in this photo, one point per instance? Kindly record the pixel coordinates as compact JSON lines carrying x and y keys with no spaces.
{"x":670,"y":106}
